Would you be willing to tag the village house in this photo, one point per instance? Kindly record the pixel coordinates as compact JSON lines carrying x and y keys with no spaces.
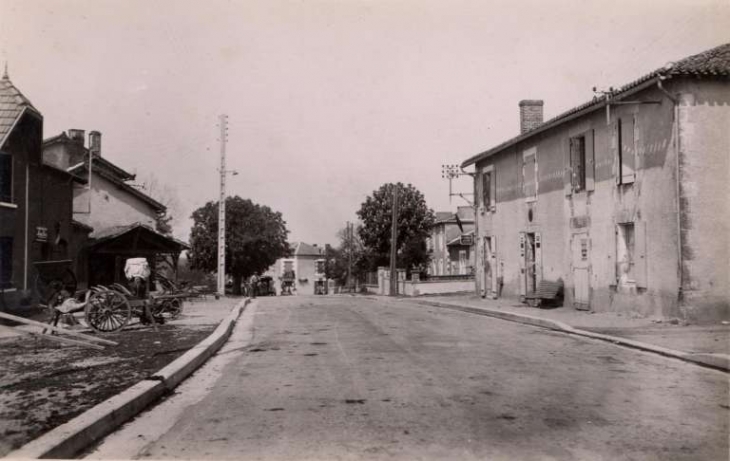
{"x":450,"y":243}
{"x":303,"y":261}
{"x":624,"y":198}
{"x":123,"y":219}
{"x":37,"y":231}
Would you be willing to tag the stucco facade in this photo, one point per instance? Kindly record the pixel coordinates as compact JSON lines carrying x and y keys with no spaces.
{"x":626,"y":205}
{"x":449,"y":256}
{"x":303,"y":261}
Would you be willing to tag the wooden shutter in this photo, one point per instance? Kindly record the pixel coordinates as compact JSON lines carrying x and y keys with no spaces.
{"x":522,"y":282}
{"x":486,"y":188}
{"x":477,"y":189}
{"x":640,"y":263}
{"x":611,"y":237}
{"x":568,"y":175}
{"x":493,"y":192}
{"x":530,"y":176}
{"x":637,"y":145}
{"x":538,"y":258}
{"x":627,"y":151}
{"x":493,"y":262}
{"x":615,"y":168}
{"x":590,"y":161}
{"x":6,"y":178}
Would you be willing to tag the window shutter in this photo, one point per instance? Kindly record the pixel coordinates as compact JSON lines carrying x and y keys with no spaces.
{"x":493,"y":192}
{"x":627,"y":151}
{"x":495,"y":269}
{"x":530,"y":176}
{"x":568,"y":175}
{"x":611,"y":237}
{"x":638,"y":151}
{"x":477,"y":189}
{"x":486,"y":188}
{"x":6,"y":178}
{"x":590,"y":161}
{"x":522,"y":281}
{"x":538,"y":258}
{"x":616,"y":169}
{"x":640,"y":263}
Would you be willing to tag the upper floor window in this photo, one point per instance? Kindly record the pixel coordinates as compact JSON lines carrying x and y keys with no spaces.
{"x":529,"y":174}
{"x":6,"y":178}
{"x":624,"y":141}
{"x":580,"y":164}
{"x":488,"y":189}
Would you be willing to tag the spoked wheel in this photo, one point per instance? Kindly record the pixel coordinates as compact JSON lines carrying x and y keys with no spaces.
{"x":168,"y":309}
{"x":107,"y":311}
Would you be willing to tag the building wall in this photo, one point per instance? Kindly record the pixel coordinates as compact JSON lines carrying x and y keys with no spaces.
{"x":704,"y":118}
{"x":106,"y":205}
{"x":562,"y":217}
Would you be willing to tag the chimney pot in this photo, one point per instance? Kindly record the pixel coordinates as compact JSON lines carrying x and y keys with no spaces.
{"x":95,"y":143}
{"x":76,"y":135}
{"x":530,"y":114}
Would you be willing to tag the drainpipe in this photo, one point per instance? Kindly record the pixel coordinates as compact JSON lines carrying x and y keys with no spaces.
{"x":676,"y":145}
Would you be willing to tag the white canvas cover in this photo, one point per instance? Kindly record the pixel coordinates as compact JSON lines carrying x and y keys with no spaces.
{"x":136,"y":267}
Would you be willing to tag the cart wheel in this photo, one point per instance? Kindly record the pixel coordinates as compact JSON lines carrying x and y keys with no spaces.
{"x":169,"y":309}
{"x":107,"y":311}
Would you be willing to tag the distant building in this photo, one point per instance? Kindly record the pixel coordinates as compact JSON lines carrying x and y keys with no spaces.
{"x":36,"y":203}
{"x":624,"y":198}
{"x":303,"y":261}
{"x":450,"y":246}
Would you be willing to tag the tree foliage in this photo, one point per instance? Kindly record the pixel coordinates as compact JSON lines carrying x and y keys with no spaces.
{"x":256,"y":237}
{"x":414,"y":224}
{"x":339,"y":258}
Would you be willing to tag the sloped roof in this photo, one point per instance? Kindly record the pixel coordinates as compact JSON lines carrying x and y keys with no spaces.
{"x":305,"y":249}
{"x":457,"y":240}
{"x":12,"y":106}
{"x":713,"y":63}
{"x":464,"y":213}
{"x":113,"y":232}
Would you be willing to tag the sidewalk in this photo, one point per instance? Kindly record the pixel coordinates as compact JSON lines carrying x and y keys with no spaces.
{"x":708,"y":345}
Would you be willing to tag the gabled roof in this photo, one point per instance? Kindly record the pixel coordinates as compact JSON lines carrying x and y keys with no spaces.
{"x":157,"y":206}
{"x":12,"y":106}
{"x":103,"y":236}
{"x":713,"y":63}
{"x":465,"y":216}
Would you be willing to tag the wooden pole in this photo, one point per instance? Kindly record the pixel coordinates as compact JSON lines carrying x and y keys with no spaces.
{"x":72,"y":342}
{"x":15,"y":318}
{"x":393,"y":244}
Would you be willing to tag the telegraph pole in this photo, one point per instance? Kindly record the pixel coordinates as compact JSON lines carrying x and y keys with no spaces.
{"x":349,"y":256}
{"x":222,"y":209}
{"x":393,"y":244}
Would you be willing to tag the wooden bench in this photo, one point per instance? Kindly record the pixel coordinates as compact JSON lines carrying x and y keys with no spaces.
{"x":546,"y":291}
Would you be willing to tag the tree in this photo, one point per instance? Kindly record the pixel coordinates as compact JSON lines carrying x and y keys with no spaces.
{"x":414,"y":224}
{"x":338,"y":258}
{"x":256,"y":237}
{"x":166,"y":195}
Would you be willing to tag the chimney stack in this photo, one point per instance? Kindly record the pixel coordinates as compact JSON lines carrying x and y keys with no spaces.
{"x":530,"y":114}
{"x":95,"y":143}
{"x":76,"y":135}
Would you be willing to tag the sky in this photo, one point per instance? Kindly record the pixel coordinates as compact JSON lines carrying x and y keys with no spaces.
{"x":326,"y":100}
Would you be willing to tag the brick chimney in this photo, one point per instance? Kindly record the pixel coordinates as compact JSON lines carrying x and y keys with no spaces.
{"x":76,"y":135}
{"x":530,"y":114}
{"x":95,"y":143}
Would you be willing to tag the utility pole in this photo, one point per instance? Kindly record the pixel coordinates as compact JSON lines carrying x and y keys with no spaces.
{"x":222,"y":209}
{"x":393,"y":244}
{"x":349,"y":256}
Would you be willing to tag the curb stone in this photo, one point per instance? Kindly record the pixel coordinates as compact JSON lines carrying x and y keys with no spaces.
{"x":77,"y":434}
{"x":715,"y":361}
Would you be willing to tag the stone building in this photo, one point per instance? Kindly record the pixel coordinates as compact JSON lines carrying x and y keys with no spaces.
{"x":450,"y":244}
{"x":623,"y":198}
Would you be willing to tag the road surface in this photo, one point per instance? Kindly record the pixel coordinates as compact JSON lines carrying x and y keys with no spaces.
{"x":351,"y":378}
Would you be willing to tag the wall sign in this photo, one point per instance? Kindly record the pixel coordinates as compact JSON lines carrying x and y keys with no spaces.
{"x":41,"y":234}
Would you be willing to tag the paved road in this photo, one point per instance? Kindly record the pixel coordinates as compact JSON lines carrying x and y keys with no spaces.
{"x":352,"y":378}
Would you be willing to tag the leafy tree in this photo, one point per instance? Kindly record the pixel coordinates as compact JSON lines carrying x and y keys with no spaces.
{"x":414,"y":224}
{"x":166,"y":195}
{"x":256,"y":237}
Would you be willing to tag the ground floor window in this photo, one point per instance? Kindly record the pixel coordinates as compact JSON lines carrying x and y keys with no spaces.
{"x":625,"y":253}
{"x":6,"y":262}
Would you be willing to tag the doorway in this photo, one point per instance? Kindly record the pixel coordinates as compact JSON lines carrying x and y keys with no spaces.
{"x":530,"y":262}
{"x":581,"y":265}
{"x":489,"y":260}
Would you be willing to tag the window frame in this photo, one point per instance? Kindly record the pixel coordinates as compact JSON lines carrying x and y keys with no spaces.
{"x":527,"y":153}
{"x":10,"y":196}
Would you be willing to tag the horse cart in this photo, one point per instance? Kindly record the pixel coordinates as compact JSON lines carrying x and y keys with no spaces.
{"x":110,"y":308}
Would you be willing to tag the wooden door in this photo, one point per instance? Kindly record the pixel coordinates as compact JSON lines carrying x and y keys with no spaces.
{"x":581,"y":247}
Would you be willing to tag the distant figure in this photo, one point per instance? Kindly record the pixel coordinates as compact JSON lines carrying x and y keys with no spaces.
{"x":254,"y":281}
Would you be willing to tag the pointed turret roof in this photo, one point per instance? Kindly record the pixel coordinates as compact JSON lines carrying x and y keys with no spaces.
{"x":12,"y":106}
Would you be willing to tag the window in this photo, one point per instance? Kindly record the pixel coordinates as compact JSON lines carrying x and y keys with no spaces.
{"x":624,"y":131}
{"x":578,"y":163}
{"x":6,"y":262}
{"x":6,"y":178}
{"x":625,"y":253}
{"x":529,"y":174}
{"x":462,"y":262}
{"x":489,"y":189}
